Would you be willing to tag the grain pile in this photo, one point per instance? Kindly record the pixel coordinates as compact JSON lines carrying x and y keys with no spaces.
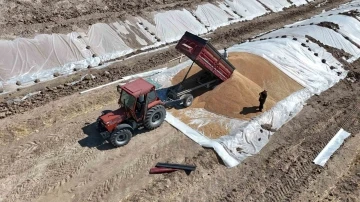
{"x":264,"y":74}
{"x":238,"y":96}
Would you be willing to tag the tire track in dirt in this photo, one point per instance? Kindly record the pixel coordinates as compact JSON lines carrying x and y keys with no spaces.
{"x":65,"y":161}
{"x":290,"y":184}
{"x":347,"y":188}
{"x":87,"y":186}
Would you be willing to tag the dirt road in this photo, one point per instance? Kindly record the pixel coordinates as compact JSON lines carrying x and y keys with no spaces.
{"x":52,"y":153}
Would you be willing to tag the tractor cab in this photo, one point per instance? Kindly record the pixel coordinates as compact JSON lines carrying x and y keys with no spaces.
{"x":137,"y":97}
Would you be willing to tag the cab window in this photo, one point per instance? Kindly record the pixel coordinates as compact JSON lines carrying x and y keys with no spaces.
{"x":151,"y":96}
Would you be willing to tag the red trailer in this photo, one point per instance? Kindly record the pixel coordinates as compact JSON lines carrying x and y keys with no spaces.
{"x":205,"y":55}
{"x":200,"y":51}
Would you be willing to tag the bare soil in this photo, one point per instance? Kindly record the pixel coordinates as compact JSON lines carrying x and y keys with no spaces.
{"x":27,"y":18}
{"x":51,"y":152}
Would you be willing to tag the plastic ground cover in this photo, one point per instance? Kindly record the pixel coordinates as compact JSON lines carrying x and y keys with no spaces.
{"x":348,"y":26}
{"x":213,"y":17}
{"x":29,"y":59}
{"x":276,"y":5}
{"x":105,"y":42}
{"x":171,"y":25}
{"x":331,"y":147}
{"x":324,"y":35}
{"x":299,"y":2}
{"x":248,"y":9}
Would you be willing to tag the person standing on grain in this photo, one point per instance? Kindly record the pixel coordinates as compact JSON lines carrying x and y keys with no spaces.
{"x":225,"y":55}
{"x":262,"y":99}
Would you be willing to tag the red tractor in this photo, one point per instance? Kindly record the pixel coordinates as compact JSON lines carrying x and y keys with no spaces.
{"x":139,"y":106}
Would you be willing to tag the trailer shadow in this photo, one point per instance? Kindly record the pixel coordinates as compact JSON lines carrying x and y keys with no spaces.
{"x":94,"y":139}
{"x":250,"y":110}
{"x":188,"y":83}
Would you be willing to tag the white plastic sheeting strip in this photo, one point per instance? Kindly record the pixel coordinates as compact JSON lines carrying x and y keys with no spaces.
{"x":276,"y":5}
{"x":299,"y":2}
{"x":248,"y":9}
{"x":229,"y":161}
{"x":331,"y":147}
{"x":171,"y":25}
{"x":348,"y":26}
{"x":28,"y":59}
{"x":324,"y":35}
{"x":106,"y":43}
{"x":212,"y":16}
{"x":295,"y":61}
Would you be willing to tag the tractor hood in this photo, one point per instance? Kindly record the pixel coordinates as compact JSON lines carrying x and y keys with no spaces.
{"x":114,"y":117}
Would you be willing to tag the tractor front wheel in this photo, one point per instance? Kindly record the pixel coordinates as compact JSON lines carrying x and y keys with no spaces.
{"x":155,"y":117}
{"x":121,"y":137}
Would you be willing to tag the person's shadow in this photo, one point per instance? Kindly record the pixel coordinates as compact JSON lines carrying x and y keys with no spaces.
{"x":250,"y":110}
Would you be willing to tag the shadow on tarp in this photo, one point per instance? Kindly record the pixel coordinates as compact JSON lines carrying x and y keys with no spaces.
{"x":188,"y":83}
{"x":94,"y":139}
{"x":250,"y":110}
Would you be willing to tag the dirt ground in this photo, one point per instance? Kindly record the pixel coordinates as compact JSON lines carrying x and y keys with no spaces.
{"x":26,"y":18}
{"x":51,"y":152}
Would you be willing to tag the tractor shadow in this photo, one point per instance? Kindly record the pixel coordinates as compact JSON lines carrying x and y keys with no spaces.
{"x":94,"y":139}
{"x":250,"y":110}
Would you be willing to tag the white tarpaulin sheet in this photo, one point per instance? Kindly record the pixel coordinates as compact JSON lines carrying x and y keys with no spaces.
{"x":299,"y":2}
{"x":276,"y":5}
{"x":131,"y":34}
{"x":212,"y":16}
{"x":248,"y":9}
{"x":202,"y":140}
{"x":324,"y":35}
{"x":105,"y":42}
{"x":348,"y":26}
{"x":286,"y":55}
{"x":331,"y":147}
{"x":171,"y":25}
{"x":25,"y":60}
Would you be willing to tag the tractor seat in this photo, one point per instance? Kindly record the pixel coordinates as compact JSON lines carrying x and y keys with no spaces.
{"x":139,"y":108}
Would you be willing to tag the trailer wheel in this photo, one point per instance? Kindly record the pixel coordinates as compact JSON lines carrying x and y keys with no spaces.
{"x":155,"y":117}
{"x":188,"y":100}
{"x":121,"y":137}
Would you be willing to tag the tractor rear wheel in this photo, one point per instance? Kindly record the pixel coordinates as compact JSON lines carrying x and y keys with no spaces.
{"x":121,"y":137}
{"x":155,"y":117}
